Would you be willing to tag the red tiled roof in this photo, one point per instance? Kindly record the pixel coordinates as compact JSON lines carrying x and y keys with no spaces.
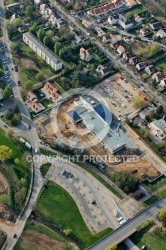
{"x":106,"y":7}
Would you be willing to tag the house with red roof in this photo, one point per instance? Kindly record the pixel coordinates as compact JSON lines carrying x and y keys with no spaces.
{"x":50,"y":91}
{"x":115,"y":5}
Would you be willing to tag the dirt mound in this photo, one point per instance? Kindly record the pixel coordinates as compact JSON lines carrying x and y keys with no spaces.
{"x":6,"y":214}
{"x":40,"y":241}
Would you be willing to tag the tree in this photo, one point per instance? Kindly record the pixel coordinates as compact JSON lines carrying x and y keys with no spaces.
{"x":162,"y":216}
{"x":5,"y":153}
{"x":33,"y":29}
{"x":29,"y":11}
{"x":16,"y":161}
{"x":17,"y":23}
{"x":57,"y":48}
{"x":113,"y":247}
{"x":9,"y":133}
{"x":16,"y":108}
{"x":28,"y":85}
{"x":67,"y":231}
{"x":40,"y":77}
{"x":41,"y":34}
{"x":9,"y":115}
{"x":137,"y":102}
{"x":125,"y":181}
{"x":16,"y":49}
{"x":46,"y":40}
{"x":7,"y":92}
{"x":49,"y":33}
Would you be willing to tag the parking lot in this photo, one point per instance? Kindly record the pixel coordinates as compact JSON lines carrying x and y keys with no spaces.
{"x":119,"y":95}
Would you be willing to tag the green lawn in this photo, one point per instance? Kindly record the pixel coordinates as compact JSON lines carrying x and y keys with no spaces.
{"x":40,"y":66}
{"x":16,"y":171}
{"x":151,"y":187}
{"x":161,"y":66}
{"x":47,"y":103}
{"x":58,"y":207}
{"x":44,"y":168}
{"x":153,"y":240}
{"x":156,"y":197}
{"x":136,"y":10}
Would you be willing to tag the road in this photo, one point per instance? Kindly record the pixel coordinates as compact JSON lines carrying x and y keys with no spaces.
{"x":120,"y":234}
{"x":31,"y":135}
{"x":108,"y":54}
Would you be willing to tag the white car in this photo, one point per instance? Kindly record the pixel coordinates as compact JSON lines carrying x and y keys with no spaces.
{"x":120,"y":218}
{"x":122,"y":221}
{"x":115,"y":212}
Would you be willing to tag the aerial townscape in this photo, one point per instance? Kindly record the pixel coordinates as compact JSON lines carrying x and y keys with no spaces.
{"x":82,"y":124}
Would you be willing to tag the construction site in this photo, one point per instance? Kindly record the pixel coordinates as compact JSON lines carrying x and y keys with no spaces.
{"x":60,"y":126}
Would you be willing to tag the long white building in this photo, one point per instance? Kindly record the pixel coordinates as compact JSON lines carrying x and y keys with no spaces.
{"x":47,"y":55}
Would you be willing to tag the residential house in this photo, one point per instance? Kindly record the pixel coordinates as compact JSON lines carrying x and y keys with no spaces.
{"x":131,"y":3}
{"x":79,"y":39}
{"x":48,"y":56}
{"x":144,"y":31}
{"x":158,"y":76}
{"x":141,"y":65}
{"x":161,"y":33}
{"x":124,"y":22}
{"x":133,"y":60}
{"x":60,"y":23}
{"x":114,"y":45}
{"x":126,"y":56}
{"x":121,"y":50}
{"x":106,"y":38}
{"x":31,"y":97}
{"x":43,"y":8}
{"x":138,"y":19}
{"x":114,"y":38}
{"x":37,"y":2}
{"x":50,"y":91}
{"x":13,"y":7}
{"x":53,"y":18}
{"x":100,"y":32}
{"x":23,"y":29}
{"x":162,"y":84}
{"x":121,"y":20}
{"x":155,"y":25}
{"x":113,"y":6}
{"x":86,"y":54}
{"x":102,"y":70}
{"x":113,"y":19}
{"x":158,"y":128}
{"x":35,"y":107}
{"x":150,"y":69}
{"x":87,"y":24}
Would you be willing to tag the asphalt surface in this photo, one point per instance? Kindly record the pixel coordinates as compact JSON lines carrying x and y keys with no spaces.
{"x":120,"y":234}
{"x":108,"y":54}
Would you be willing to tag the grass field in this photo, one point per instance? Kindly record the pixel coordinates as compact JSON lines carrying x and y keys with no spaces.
{"x":136,"y":10}
{"x":153,"y":239}
{"x":151,"y":187}
{"x":156,"y":197}
{"x":44,"y":168}
{"x":161,"y":66}
{"x":39,"y":66}
{"x":57,"y":206}
{"x":16,"y":171}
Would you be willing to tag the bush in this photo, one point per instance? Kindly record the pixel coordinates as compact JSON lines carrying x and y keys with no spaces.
{"x":162,"y":216}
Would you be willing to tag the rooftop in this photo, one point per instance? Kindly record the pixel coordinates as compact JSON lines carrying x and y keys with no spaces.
{"x":43,"y":48}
